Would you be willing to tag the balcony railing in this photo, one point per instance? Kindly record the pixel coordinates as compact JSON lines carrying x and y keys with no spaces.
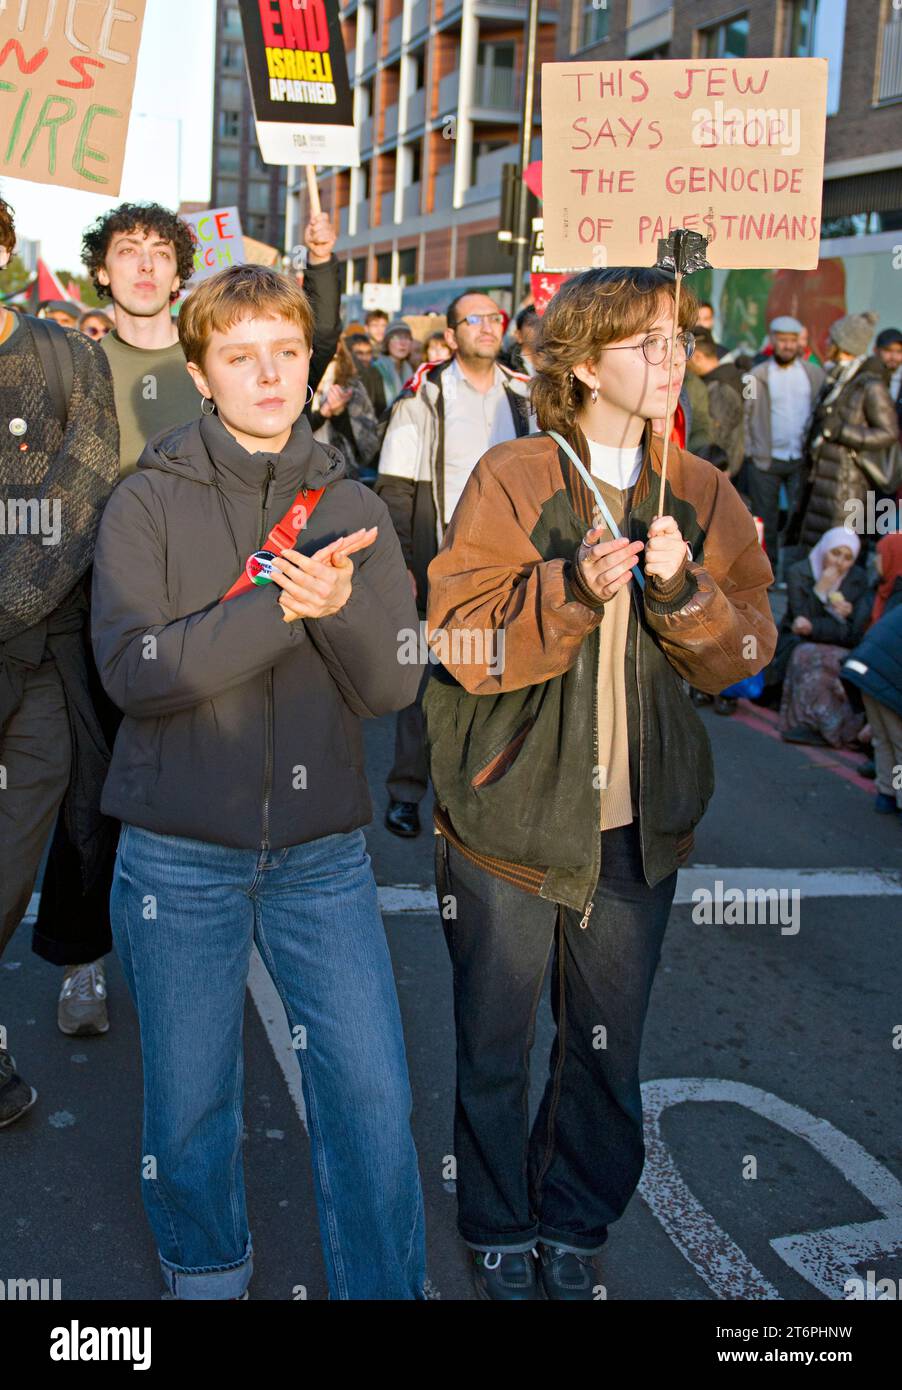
{"x":391,"y":122}
{"x":416,"y":108}
{"x":394,"y":33}
{"x":488,"y":174}
{"x":363,"y":214}
{"x":387,"y":207}
{"x":448,"y":89}
{"x":342,"y":221}
{"x":891,"y":61}
{"x":352,"y":64}
{"x":370,"y":50}
{"x":366,"y":133}
{"x":444,"y":189}
{"x":410,"y":201}
{"x":419,"y":18}
{"x":496,"y":89}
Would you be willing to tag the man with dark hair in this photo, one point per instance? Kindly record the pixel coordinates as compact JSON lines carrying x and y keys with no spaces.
{"x":438,"y":430}
{"x":59,"y":460}
{"x":521,"y":354}
{"x":361,"y":350}
{"x":888,"y":349}
{"x":705,"y":320}
{"x":376,"y":324}
{"x":140,"y":255}
{"x":724,"y":386}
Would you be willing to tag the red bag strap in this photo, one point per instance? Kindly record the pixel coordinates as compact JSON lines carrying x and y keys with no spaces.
{"x":282,"y":537}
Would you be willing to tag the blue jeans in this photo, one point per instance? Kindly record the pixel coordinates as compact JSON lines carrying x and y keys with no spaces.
{"x":184,"y":915}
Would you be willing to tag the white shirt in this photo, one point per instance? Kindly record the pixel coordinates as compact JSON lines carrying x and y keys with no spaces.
{"x":617,"y":467}
{"x":790,"y":408}
{"x":474,"y":422}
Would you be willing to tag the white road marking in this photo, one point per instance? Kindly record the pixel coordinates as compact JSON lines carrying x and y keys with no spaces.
{"x":272,"y":1016}
{"x":825,"y":1259}
{"x":398,"y":898}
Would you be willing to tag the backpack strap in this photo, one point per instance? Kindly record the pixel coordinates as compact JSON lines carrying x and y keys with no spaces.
{"x":52,"y":346}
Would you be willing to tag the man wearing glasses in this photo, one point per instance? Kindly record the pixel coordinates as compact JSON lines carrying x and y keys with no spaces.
{"x":436,"y":435}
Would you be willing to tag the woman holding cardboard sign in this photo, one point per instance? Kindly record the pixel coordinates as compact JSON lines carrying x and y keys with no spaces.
{"x":569,"y":781}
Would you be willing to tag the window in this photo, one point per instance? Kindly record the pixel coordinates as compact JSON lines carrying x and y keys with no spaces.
{"x":229,"y":124}
{"x":593,"y":23}
{"x":255,"y":226}
{"x":418,"y":66}
{"x":232,"y":56}
{"x":798,"y":28}
{"x":231,"y":93}
{"x":727,"y":40}
{"x":232,"y":21}
{"x":227,"y":192}
{"x":891,"y":58}
{"x":407,"y":266}
{"x":358,"y":273}
{"x":257,"y":196}
{"x":383,"y":268}
{"x":228,"y":159}
{"x":415,"y":163}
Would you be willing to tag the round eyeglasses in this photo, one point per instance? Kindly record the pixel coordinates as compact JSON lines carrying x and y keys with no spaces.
{"x":655,"y":347}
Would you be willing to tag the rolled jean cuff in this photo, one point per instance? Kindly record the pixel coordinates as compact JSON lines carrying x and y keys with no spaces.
{"x":562,"y":1242}
{"x":504,"y":1245}
{"x":216,"y":1282}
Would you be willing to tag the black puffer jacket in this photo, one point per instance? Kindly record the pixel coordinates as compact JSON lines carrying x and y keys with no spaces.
{"x":241,"y":729}
{"x":859,"y":422}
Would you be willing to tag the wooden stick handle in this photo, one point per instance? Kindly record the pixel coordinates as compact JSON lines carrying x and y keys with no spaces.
{"x":676,"y":329}
{"x":313,"y":190}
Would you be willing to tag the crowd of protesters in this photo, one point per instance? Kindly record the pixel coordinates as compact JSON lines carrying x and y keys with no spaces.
{"x":257,"y":500}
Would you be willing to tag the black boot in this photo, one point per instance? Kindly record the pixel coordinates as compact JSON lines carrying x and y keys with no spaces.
{"x":16,"y":1096}
{"x":508,"y":1278}
{"x":566,"y":1276}
{"x":403,"y":818}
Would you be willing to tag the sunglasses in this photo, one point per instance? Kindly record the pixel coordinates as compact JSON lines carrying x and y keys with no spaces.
{"x":94,"y":330}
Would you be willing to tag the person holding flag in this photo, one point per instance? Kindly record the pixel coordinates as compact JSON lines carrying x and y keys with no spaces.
{"x":239,"y":780}
{"x":570,"y":776}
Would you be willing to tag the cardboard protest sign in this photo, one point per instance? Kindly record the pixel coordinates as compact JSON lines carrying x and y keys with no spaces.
{"x":381,"y":296}
{"x":544,"y":284}
{"x":66,"y":78}
{"x":298,"y":75}
{"x":218,"y":241}
{"x":730,"y":148}
{"x":260,"y":252}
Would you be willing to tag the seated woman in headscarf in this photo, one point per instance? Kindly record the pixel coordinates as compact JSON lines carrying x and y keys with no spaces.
{"x":828,"y":607}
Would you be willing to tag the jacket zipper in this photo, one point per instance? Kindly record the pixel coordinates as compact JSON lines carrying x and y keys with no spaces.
{"x":268,"y":712}
{"x":596,"y":872}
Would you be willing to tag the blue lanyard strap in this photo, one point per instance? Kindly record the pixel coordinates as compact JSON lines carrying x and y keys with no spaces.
{"x":602,"y":505}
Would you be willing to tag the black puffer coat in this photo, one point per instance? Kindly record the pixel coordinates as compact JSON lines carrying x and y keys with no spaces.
{"x":859,"y":422}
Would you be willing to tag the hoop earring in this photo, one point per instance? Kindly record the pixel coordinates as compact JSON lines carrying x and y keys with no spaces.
{"x":310,"y":397}
{"x":594,"y":394}
{"x":207,"y":401}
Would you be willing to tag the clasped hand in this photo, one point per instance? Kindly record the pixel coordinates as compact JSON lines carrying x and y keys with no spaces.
{"x":316,"y":586}
{"x":606,"y":566}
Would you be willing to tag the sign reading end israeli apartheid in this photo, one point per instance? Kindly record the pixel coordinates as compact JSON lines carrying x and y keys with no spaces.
{"x":730,"y":148}
{"x":218,"y":241}
{"x":67,"y":73}
{"x":298,"y":76}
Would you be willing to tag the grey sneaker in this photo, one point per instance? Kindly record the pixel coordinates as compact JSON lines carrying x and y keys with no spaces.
{"x":82,"y":1002}
{"x":16,"y":1096}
